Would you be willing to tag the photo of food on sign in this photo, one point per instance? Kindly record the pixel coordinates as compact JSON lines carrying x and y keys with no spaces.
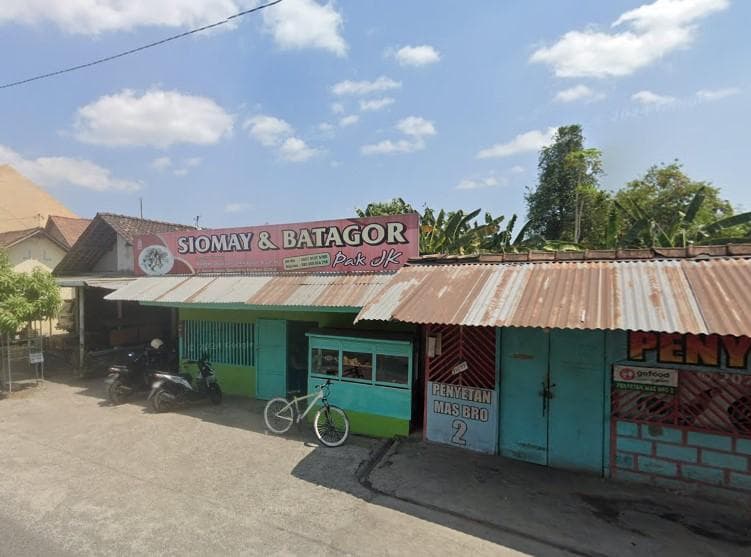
{"x":359,"y":244}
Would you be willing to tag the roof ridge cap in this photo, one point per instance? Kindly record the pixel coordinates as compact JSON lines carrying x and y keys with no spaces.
{"x":140,"y":219}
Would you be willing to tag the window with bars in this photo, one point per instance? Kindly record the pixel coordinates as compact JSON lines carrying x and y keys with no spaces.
{"x":225,"y":342}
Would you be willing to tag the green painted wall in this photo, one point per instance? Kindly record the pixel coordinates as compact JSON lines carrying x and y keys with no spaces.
{"x":234,"y":380}
{"x":241,"y":380}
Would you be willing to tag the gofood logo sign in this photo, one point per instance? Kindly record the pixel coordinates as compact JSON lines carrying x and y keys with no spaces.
{"x":645,"y":379}
{"x":369,"y":244}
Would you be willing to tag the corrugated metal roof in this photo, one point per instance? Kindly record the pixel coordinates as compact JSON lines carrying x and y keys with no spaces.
{"x":107,"y":282}
{"x":689,"y":296}
{"x":300,"y":290}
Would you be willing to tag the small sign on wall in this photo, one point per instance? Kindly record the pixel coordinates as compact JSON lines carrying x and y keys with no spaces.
{"x":36,"y":357}
{"x":649,"y":379}
{"x":465,"y":417}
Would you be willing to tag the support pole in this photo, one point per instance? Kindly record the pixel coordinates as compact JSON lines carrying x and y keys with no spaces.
{"x":81,"y":329}
{"x":10,"y":378}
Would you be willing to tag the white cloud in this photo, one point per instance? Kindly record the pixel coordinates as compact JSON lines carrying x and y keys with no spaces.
{"x":518,"y":169}
{"x":649,"y":98}
{"x":297,"y":24}
{"x":92,"y":17}
{"x":654,"y":31}
{"x":57,"y":171}
{"x":237,"y":207}
{"x":578,"y":93}
{"x":294,"y":24}
{"x":156,"y":118}
{"x":269,"y":131}
{"x":524,"y":142}
{"x":414,"y":127}
{"x":349,"y":120}
{"x":178,"y":169}
{"x":480,"y":183}
{"x":381,"y":83}
{"x":295,"y":149}
{"x":325,"y":127}
{"x":717,"y":94}
{"x":337,"y":108}
{"x":375,"y":104}
{"x":388,"y":147}
{"x":161,"y":163}
{"x":274,"y":132}
{"x":417,"y":55}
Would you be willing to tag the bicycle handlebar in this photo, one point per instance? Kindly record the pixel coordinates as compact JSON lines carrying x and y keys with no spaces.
{"x":322,"y":385}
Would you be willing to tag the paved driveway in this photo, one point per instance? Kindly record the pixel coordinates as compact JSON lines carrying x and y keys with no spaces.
{"x":78,"y":476}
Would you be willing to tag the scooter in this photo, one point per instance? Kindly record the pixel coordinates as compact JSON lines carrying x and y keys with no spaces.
{"x":136,"y":375}
{"x":172,"y":390}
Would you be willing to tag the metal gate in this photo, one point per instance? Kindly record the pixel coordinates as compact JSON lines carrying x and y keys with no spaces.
{"x":473,"y":345}
{"x":552,"y":397}
{"x":713,"y":402}
{"x":21,"y":361}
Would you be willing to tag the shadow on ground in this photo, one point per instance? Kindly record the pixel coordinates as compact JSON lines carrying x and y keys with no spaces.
{"x":537,"y":510}
{"x":529,"y":508}
{"x":235,"y":411}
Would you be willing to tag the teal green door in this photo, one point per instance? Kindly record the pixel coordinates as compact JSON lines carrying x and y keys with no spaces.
{"x":271,"y":358}
{"x":577,"y":387}
{"x":552,"y":397}
{"x":524,"y":369}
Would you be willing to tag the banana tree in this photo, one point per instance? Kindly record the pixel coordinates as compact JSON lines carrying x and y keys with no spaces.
{"x":451,"y":232}
{"x":646,"y":231}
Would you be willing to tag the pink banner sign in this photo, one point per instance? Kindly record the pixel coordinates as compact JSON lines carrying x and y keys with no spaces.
{"x":347,"y":245}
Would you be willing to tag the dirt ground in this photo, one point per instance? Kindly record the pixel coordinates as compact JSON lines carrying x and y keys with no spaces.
{"x":81,"y":477}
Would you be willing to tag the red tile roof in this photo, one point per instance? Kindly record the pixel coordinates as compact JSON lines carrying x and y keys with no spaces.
{"x":7,"y":239}
{"x":67,"y":230}
{"x":130,"y":227}
{"x":101,"y":234}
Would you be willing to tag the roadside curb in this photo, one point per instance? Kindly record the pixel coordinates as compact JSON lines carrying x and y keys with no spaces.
{"x":390,"y":446}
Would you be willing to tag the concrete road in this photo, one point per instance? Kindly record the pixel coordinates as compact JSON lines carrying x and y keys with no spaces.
{"x":80,"y":477}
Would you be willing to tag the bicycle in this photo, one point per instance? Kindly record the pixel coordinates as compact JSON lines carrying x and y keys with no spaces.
{"x":330,"y":423}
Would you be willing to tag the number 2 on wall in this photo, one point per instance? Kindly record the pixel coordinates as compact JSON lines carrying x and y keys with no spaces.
{"x":461,"y":428}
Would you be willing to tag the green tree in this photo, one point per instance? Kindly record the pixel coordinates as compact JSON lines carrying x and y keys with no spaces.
{"x":585,"y":167}
{"x":667,"y":208}
{"x":396,"y":206}
{"x":25,"y":297}
{"x":567,"y":204}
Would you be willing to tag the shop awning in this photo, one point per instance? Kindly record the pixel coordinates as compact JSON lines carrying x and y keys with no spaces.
{"x":688,"y":296}
{"x":282,"y":290}
{"x":108,"y":283}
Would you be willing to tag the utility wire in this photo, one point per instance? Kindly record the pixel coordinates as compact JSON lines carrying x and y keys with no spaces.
{"x":140,"y":48}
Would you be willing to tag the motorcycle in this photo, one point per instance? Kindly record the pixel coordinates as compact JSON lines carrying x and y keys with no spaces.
{"x":171,"y":390}
{"x":136,"y":375}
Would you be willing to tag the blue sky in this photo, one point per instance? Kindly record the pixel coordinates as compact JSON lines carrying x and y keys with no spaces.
{"x":316,"y":108}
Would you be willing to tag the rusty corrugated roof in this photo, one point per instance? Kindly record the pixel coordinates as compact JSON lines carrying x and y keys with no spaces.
{"x":621,"y":254}
{"x":292,"y":289}
{"x":689,"y":296}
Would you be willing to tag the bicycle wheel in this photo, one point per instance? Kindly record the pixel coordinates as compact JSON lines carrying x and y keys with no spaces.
{"x":331,"y":426}
{"x":278,"y":415}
